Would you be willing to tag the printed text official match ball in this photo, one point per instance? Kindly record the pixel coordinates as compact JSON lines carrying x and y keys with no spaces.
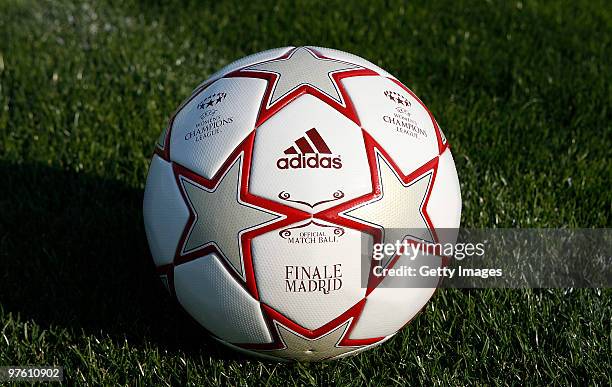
{"x":263,"y":186}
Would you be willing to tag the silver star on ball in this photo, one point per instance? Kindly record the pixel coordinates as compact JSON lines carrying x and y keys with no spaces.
{"x":303,"y":67}
{"x":221,"y":217}
{"x":298,"y":347}
{"x":398,"y":210}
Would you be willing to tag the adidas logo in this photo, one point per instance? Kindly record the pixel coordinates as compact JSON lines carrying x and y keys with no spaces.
{"x":305,"y":155}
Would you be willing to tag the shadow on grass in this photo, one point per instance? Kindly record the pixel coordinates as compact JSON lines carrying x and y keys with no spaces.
{"x":73,"y":253}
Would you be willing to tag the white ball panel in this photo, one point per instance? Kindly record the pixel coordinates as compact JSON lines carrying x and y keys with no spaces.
{"x":214,"y":298}
{"x":397,"y":299}
{"x":286,"y":129}
{"x":444,"y":206}
{"x":405,"y":130}
{"x":165,"y":211}
{"x":276,"y":258}
{"x":386,"y":311}
{"x":256,"y":354}
{"x":362,"y":349}
{"x":203,"y":136}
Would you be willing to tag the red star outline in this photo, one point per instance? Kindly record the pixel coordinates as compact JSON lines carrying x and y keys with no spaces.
{"x":335,"y":215}
{"x":273,"y":315}
{"x":266,"y":112}
{"x":292,"y":215}
{"x":289,"y":215}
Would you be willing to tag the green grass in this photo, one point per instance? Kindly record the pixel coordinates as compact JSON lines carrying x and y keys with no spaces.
{"x":522,"y":90}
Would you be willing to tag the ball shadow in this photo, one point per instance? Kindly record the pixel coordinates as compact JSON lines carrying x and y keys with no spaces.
{"x":73,"y":253}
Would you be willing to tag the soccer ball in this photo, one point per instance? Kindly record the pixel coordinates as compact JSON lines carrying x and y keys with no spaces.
{"x":265,"y":185}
